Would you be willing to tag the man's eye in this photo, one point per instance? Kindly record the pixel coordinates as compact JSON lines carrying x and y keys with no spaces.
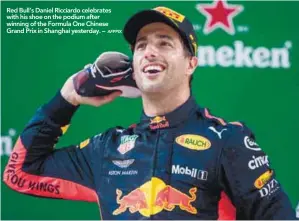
{"x":165,"y":43}
{"x":140,"y":46}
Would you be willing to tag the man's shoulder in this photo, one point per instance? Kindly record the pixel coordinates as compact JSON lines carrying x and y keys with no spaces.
{"x":216,"y":123}
{"x":212,"y":118}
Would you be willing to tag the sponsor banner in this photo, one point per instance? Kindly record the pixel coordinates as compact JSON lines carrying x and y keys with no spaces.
{"x":240,"y":55}
{"x":223,"y":17}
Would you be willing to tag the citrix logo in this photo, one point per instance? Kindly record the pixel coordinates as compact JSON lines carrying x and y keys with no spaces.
{"x":257,"y":162}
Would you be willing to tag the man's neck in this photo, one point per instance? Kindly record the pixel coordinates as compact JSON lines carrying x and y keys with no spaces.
{"x":155,"y":104}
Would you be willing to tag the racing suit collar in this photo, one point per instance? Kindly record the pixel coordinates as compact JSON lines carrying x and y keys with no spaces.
{"x":171,"y":119}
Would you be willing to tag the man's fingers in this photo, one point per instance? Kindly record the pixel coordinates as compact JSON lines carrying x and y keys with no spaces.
{"x":113,"y":95}
{"x":98,"y":101}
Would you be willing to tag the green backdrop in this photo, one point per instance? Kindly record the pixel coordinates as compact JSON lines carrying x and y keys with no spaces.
{"x":260,"y":89}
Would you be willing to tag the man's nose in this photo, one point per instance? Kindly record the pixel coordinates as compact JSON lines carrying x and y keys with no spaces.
{"x":150,"y":52}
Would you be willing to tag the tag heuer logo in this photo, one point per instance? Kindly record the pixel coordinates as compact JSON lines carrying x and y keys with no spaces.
{"x":127,"y":143}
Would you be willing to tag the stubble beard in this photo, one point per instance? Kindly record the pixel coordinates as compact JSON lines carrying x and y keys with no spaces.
{"x":154,"y":86}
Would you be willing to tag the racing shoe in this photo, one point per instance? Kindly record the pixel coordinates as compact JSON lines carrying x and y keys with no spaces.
{"x":112,"y":71}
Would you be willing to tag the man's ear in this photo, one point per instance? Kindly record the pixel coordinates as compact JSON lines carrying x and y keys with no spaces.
{"x":193,"y":62}
{"x":132,"y":66}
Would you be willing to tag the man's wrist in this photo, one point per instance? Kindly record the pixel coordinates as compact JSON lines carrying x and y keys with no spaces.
{"x":70,"y":98}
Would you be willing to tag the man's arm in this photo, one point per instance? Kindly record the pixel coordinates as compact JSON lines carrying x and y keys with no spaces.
{"x":249,"y":181}
{"x":36,"y":168}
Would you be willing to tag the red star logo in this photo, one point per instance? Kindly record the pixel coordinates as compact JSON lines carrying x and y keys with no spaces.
{"x":219,"y":14}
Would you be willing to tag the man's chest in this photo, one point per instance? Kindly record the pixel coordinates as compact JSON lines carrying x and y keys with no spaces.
{"x":159,"y":173}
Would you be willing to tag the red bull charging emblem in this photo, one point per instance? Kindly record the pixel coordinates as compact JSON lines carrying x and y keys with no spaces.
{"x":153,"y":197}
{"x":159,"y":122}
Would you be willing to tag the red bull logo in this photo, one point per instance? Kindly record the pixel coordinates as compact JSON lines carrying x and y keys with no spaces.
{"x":159,"y":122}
{"x":170,"y":197}
{"x":158,"y":119}
{"x":153,"y":197}
{"x":134,"y":201}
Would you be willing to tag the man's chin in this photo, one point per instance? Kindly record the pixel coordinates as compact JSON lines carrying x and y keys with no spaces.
{"x":152,"y":88}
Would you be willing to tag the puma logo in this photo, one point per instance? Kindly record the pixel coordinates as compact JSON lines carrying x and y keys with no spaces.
{"x":218,"y":133}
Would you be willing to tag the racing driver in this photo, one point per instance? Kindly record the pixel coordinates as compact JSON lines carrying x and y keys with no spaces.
{"x":178,"y":162}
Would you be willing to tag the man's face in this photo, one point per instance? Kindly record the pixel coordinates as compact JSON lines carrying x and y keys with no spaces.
{"x":159,"y":61}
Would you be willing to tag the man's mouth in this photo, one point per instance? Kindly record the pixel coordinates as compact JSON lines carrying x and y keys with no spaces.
{"x":153,"y":68}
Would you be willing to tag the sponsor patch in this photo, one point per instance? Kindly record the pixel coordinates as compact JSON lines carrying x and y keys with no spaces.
{"x":159,"y":122}
{"x":263,"y":179}
{"x":193,"y":172}
{"x":257,"y":162}
{"x":171,"y":14}
{"x":84,"y":143}
{"x":127,"y":143}
{"x":251,"y":144}
{"x":123,"y":163}
{"x":271,"y":187}
{"x":193,"y":142}
{"x":123,"y":173}
{"x":219,"y":133}
{"x":65,"y":128}
{"x":153,"y":197}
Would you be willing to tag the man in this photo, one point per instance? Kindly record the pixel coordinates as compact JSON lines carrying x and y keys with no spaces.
{"x":178,"y":162}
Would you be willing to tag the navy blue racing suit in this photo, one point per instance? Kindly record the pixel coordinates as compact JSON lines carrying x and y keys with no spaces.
{"x":187,"y":164}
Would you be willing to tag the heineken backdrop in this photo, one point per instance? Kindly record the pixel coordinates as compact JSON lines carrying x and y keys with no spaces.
{"x":248,"y":71}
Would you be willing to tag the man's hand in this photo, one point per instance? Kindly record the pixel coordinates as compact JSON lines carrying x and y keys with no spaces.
{"x":112,"y":71}
{"x":69,"y":93}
